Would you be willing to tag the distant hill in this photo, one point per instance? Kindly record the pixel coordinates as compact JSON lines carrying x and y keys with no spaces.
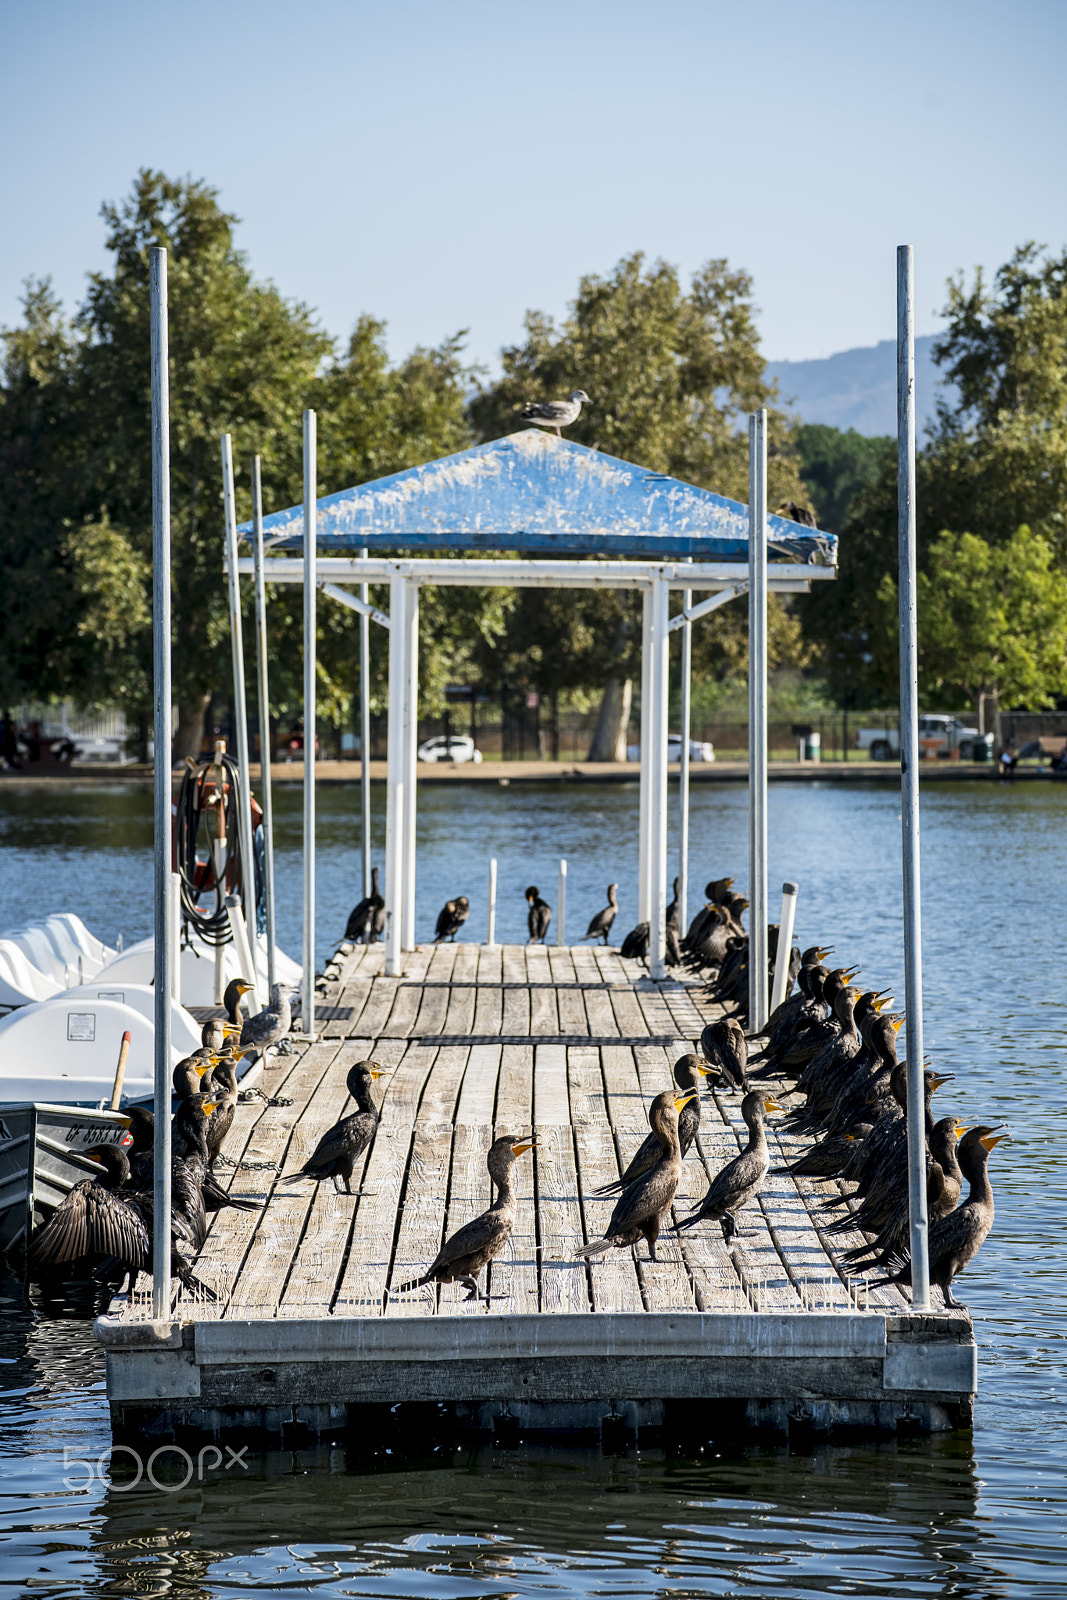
{"x":857,"y":388}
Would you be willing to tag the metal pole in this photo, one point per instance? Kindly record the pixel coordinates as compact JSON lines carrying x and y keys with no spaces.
{"x":785,"y":945}
{"x":307,"y":998}
{"x":643,"y":875}
{"x":175,"y":938}
{"x":561,"y":903}
{"x":757,"y":720}
{"x":683,"y":777}
{"x":490,"y":932}
{"x":240,"y":703}
{"x":411,"y":741}
{"x":659,"y":659}
{"x":364,"y":728}
{"x":394,"y":801}
{"x":161,"y":683}
{"x":909,"y":776}
{"x":264,"y":721}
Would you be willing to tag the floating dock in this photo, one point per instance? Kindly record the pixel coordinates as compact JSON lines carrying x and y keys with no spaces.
{"x":574,"y":1042}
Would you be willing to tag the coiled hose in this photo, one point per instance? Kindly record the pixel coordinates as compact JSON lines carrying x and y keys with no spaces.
{"x":197,"y":797}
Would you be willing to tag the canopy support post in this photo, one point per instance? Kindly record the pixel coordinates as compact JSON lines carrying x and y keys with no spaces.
{"x":659,"y":660}
{"x":364,"y":728}
{"x":264,"y":724}
{"x":411,"y":741}
{"x":307,"y":997}
{"x":644,"y":881}
{"x":161,"y":683}
{"x":909,"y":778}
{"x":683,"y":777}
{"x":394,"y":810}
{"x":240,"y":708}
{"x":757,"y":721}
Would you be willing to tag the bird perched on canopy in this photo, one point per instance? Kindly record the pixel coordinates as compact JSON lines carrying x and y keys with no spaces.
{"x":339,"y":1149}
{"x":600,"y":926}
{"x":451,"y":918}
{"x":473,"y":1246}
{"x":796,"y":513}
{"x":556,"y":413}
{"x":539,"y":915}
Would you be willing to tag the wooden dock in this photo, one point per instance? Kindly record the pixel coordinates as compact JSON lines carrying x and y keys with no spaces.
{"x":481,"y":1041}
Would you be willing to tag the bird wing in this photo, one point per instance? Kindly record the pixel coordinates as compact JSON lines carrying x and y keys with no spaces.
{"x":483,"y":1236}
{"x":550,"y":410}
{"x":348,"y":1137}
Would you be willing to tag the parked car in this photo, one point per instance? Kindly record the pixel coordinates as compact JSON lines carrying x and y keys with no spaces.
{"x":458,"y":748}
{"x":940,"y":736}
{"x":699,"y":750}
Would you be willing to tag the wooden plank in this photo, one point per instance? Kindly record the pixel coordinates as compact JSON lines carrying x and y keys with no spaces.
{"x":459,"y":1018}
{"x":561,"y":965}
{"x":598,"y":1009}
{"x":571,"y":1008}
{"x":614,"y":1283}
{"x":544,"y":1017}
{"x":564,"y":1280}
{"x":516,"y":1014}
{"x":514,"y":1275}
{"x":424,"y":1215}
{"x":477,"y":1095}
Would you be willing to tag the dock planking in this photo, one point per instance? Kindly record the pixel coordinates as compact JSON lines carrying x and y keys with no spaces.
{"x":476,"y":1042}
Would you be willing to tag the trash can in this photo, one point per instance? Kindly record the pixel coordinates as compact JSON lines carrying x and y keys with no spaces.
{"x":982,"y":748}
{"x":813,"y":746}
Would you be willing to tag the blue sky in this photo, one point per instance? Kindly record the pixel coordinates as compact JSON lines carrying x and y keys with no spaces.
{"x":448,"y":166}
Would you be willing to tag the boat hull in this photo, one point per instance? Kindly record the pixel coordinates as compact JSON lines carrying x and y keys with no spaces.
{"x":42,"y":1156}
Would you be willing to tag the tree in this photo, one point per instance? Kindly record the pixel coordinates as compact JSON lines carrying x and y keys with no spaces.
{"x":992,"y":619}
{"x":835,"y":465}
{"x":671,"y":374}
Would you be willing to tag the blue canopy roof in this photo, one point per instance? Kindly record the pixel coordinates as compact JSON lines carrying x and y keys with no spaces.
{"x":535,"y":493}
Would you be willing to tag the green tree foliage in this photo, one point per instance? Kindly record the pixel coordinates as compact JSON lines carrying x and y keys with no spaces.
{"x":671,"y":374}
{"x":992,"y":619}
{"x":835,"y":465}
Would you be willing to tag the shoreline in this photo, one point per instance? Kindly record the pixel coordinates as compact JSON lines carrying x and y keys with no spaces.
{"x":509,"y":772}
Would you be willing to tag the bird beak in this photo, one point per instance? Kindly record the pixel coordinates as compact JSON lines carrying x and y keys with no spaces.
{"x":771,"y":1105}
{"x":851,"y":1137}
{"x":209,"y":1107}
{"x":938,"y":1078}
{"x":205,"y":1068}
{"x":379,"y":1072}
{"x":92,"y":1156}
{"x":850,"y":972}
{"x":897,"y":1024}
{"x":960,"y":1129}
{"x":683,"y":1100}
{"x":825,"y":951}
{"x":988,"y":1140}
{"x":521,"y":1149}
{"x":705,"y":1072}
{"x":127,"y":1122}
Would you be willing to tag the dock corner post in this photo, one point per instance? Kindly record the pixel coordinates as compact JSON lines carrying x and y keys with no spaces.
{"x":263,"y":695}
{"x":785,"y":945}
{"x":683,"y":778}
{"x":490,"y":928}
{"x":161,"y":673}
{"x":643,"y":874}
{"x":909,"y":776}
{"x":240,"y":708}
{"x":364,"y":728}
{"x":411,"y":745}
{"x":757,"y":720}
{"x":307,"y":998}
{"x":657,"y":778}
{"x":561,"y":905}
{"x":394,"y":802}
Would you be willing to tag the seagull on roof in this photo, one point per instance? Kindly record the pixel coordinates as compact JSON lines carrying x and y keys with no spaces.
{"x":556,"y":413}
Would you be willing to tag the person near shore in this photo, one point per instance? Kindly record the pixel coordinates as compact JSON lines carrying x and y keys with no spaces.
{"x":1007,"y":759}
{"x":1059,"y":761}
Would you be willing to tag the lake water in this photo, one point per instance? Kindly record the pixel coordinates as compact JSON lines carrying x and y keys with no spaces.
{"x":973,"y":1516}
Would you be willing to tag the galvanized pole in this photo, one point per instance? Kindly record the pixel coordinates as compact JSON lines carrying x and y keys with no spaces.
{"x":757,"y":720}
{"x":644,"y":873}
{"x":683,"y":779}
{"x":561,"y":904}
{"x":490,"y":929}
{"x":785,"y":945}
{"x":659,"y":636}
{"x":240,"y":705}
{"x":264,"y":720}
{"x":161,"y":682}
{"x":364,"y":728}
{"x":307,"y":998}
{"x":394,"y":789}
{"x":411,"y":741}
{"x":909,"y":776}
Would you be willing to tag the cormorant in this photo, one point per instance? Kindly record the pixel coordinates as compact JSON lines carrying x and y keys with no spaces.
{"x":215,"y":1033}
{"x":462,"y":1257}
{"x":539,"y":917}
{"x":366,"y":922}
{"x":688,"y":1071}
{"x":642,"y":1206}
{"x":451,"y":918}
{"x":672,"y":909}
{"x":635,"y":946}
{"x":725,"y":1046}
{"x":600,"y":927}
{"x":339,"y":1149}
{"x":142,"y":1165}
{"x":236,"y":989}
{"x":741,"y":1180}
{"x":957,"y":1238}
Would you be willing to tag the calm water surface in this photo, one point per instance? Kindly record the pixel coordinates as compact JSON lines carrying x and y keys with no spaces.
{"x":954,"y":1516}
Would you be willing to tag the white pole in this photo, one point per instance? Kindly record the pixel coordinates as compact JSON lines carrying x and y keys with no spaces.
{"x":161,"y":684}
{"x":757,"y":720}
{"x":307,"y":998}
{"x":264,"y":721}
{"x":394,"y":804}
{"x":490,"y":932}
{"x":683,"y":777}
{"x":909,"y":776}
{"x":659,"y":658}
{"x":411,"y":741}
{"x":239,"y":930}
{"x":364,"y":728}
{"x":643,"y":875}
{"x":785,"y":945}
{"x":561,"y":903}
{"x":240,"y":703}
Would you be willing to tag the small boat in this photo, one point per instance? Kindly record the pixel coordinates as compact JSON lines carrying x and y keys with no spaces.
{"x":42,"y":1157}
